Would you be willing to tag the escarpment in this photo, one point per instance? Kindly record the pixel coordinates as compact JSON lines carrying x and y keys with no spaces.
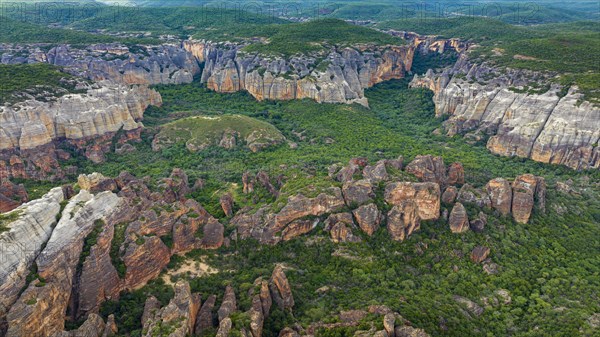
{"x":112,"y":105}
{"x":550,"y":124}
{"x":339,"y":75}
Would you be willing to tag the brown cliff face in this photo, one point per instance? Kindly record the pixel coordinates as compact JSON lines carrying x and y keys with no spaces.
{"x":425,"y":195}
{"x":280,"y":289}
{"x":500,"y":193}
{"x":179,"y":315}
{"x":403,"y":220}
{"x":459,"y":220}
{"x":525,"y":188}
{"x":340,"y":78}
{"x":11,"y":195}
{"x":548,"y":127}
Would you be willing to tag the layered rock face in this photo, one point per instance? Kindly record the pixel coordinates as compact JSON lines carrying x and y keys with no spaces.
{"x":547,"y":126}
{"x":114,"y":102}
{"x":146,"y":65}
{"x":338,"y":76}
{"x":20,"y":245}
{"x":85,"y":262}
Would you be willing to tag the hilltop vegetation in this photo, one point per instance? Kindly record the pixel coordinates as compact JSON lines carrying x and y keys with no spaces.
{"x":202,"y":132}
{"x":569,"y":49}
{"x":40,"y":80}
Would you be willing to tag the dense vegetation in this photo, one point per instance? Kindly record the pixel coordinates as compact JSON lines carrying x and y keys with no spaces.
{"x":41,"y":80}
{"x":569,"y":49}
{"x":14,"y":31}
{"x":546,"y":265}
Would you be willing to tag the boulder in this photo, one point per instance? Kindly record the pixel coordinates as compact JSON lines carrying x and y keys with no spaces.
{"x":227,"y":204}
{"x":204,"y":319}
{"x":425,"y":195}
{"x":449,"y":195}
{"x":96,"y":182}
{"x":428,"y":169}
{"x":500,"y":193}
{"x":403,"y":220}
{"x":298,"y":227}
{"x":229,"y":304}
{"x":257,"y":317}
{"x":456,"y":174}
{"x":471,"y":195}
{"x":479,"y":253}
{"x":377,"y":172}
{"x":478,"y":225}
{"x":368,"y":218}
{"x":524,"y":191}
{"x":179,"y":315}
{"x":389,"y":324}
{"x":248,"y":182}
{"x":212,"y":234}
{"x":409,"y":331}
{"x":224,"y":327}
{"x":281,"y":292}
{"x":357,"y":193}
{"x":459,"y":220}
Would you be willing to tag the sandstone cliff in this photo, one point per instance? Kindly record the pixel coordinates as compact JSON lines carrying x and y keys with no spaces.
{"x":338,"y":76}
{"x":549,"y":124}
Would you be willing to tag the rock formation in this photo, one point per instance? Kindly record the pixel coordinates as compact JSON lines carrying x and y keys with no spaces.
{"x":459,"y":219}
{"x":280,"y":289}
{"x":178,"y":317}
{"x":425,"y":195}
{"x":550,"y":127}
{"x":11,"y":195}
{"x":403,"y":220}
{"x":339,"y":75}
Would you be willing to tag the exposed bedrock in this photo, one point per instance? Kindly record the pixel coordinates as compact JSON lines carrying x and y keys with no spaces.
{"x":552,"y":126}
{"x":337,"y":76}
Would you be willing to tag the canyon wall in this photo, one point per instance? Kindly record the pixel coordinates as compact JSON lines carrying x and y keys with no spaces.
{"x":111,"y":96}
{"x":338,"y":75}
{"x":517,"y":113}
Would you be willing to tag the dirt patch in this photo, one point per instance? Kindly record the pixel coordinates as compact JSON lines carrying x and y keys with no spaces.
{"x":190,"y":268}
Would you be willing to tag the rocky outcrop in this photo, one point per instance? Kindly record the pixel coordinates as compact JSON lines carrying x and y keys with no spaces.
{"x":39,"y":311}
{"x":550,"y":126}
{"x":479,"y":253}
{"x":403,"y":220}
{"x":204,"y":319}
{"x":339,"y":75}
{"x":229,"y":304}
{"x":425,"y":195}
{"x":368,"y":218}
{"x":23,"y":241}
{"x":340,"y":228}
{"x":178,"y":317}
{"x":31,"y":130}
{"x":428,"y":168}
{"x":525,"y":189}
{"x":459,"y":219}
{"x":281,"y":293}
{"x":357,"y":193}
{"x":11,"y":195}
{"x":500,"y":193}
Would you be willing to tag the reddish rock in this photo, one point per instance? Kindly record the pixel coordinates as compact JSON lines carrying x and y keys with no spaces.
{"x":429,"y":169}
{"x":11,"y":195}
{"x":263,"y":178}
{"x":333,"y":219}
{"x":479,"y":254}
{"x":151,"y":306}
{"x":352,"y":316}
{"x":179,"y":314}
{"x":409,"y":331}
{"x":403,"y":220}
{"x":298,"y":227}
{"x":459,"y":220}
{"x":449,"y":195}
{"x":357,"y":193}
{"x":204,"y":319}
{"x":300,"y":206}
{"x":524,"y":188}
{"x":361,"y":162}
{"x":257,"y":317}
{"x":347,"y":173}
{"x":99,"y":280}
{"x":478,"y":225}
{"x":281,"y":292}
{"x":265,"y":297}
{"x":144,"y":261}
{"x":227,"y":204}
{"x":212,"y":234}
{"x":229,"y":304}
{"x":471,"y":195}
{"x":341,"y":233}
{"x":456,"y":174}
{"x":500,"y":193}
{"x":288,"y":332}
{"x":389,"y":324}
{"x":426,"y":195}
{"x":376,"y":173}
{"x":224,"y":328}
{"x":248,"y":182}
{"x":96,"y":183}
{"x":368,"y":218}
{"x":176,"y":187}
{"x":395,"y":163}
